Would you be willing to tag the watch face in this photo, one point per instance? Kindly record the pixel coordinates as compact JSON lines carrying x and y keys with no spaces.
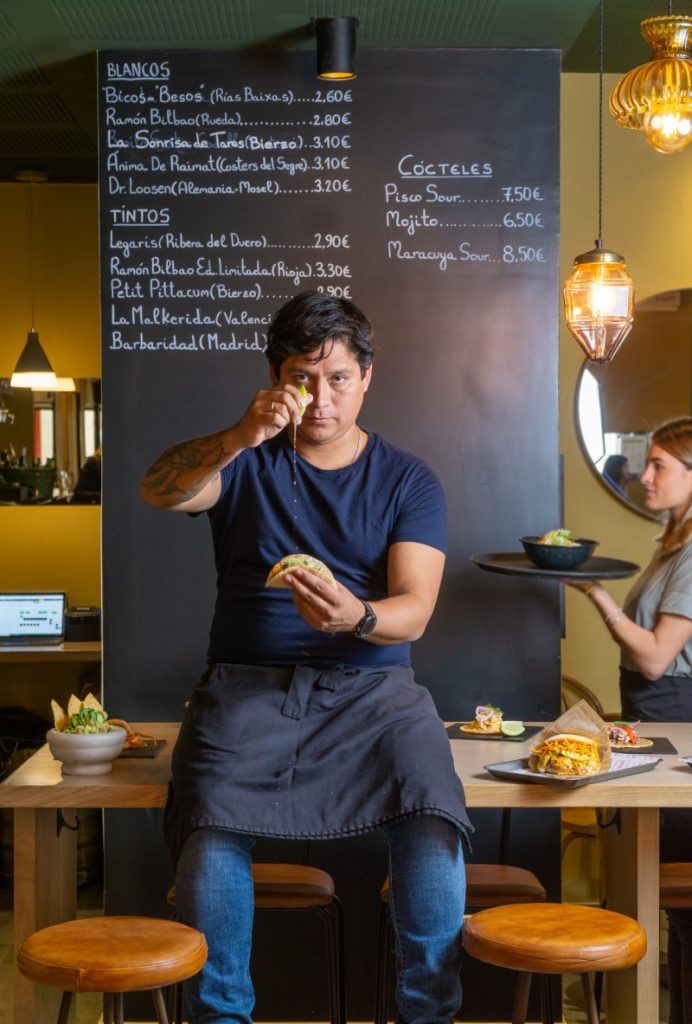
{"x":367,"y":623}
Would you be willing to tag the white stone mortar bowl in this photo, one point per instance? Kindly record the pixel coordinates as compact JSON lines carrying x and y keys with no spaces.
{"x":86,"y":753}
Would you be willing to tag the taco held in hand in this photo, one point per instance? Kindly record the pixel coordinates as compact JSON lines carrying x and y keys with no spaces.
{"x":277,"y":575}
{"x":566,"y":754}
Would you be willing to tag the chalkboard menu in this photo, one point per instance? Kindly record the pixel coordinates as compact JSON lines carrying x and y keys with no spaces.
{"x":427,"y":191}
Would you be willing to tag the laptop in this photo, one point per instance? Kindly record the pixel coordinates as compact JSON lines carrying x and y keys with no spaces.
{"x":34,"y":619}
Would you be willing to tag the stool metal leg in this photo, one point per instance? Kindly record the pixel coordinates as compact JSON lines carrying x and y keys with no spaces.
{"x":159,"y":1005}
{"x":65,"y":1004}
{"x":521,"y":997}
{"x":173,"y":998}
{"x":547,"y":1008}
{"x":338,"y":912}
{"x":332,"y":916}
{"x":118,"y":1008}
{"x":382,"y":980}
{"x":592,"y":1014}
{"x":108,"y":1015}
{"x":177,"y":1016}
{"x":332,"y":968}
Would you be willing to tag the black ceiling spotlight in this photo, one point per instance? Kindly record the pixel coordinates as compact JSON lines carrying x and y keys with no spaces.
{"x":336,"y":47}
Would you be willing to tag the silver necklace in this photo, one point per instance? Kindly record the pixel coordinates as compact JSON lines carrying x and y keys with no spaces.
{"x":357,"y":451}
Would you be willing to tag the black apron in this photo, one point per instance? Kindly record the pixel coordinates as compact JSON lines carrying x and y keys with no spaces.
{"x":667,"y":699}
{"x":309,"y":753}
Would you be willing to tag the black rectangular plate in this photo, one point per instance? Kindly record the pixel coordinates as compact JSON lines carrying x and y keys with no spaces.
{"x":660,"y":745}
{"x":507,"y":770}
{"x":151,"y":750}
{"x":454,"y":732}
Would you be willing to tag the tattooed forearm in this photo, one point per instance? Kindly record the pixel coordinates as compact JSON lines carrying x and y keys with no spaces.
{"x":185,"y":469}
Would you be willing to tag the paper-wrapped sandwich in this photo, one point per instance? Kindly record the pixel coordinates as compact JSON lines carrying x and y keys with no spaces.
{"x":279,"y":572}
{"x":567,"y":754}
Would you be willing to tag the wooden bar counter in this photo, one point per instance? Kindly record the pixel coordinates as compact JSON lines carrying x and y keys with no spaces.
{"x":45,"y":868}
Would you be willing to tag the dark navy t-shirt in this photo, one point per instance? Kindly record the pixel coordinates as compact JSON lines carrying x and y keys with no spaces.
{"x":347,"y":517}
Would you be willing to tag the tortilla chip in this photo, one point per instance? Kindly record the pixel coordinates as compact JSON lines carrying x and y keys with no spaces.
{"x":91,"y":702}
{"x":73,"y":706}
{"x":60,"y":719}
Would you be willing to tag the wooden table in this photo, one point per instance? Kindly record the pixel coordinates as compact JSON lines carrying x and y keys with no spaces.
{"x":45,"y":857}
{"x":84,"y":650}
{"x":45,"y":862}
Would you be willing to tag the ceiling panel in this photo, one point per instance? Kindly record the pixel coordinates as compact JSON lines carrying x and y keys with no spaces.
{"x":48,"y":47}
{"x":128,"y":24}
{"x":624,"y":46}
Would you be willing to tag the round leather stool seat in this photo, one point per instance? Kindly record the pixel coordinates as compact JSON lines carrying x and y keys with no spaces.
{"x":286,"y":886}
{"x":490,"y":884}
{"x":675,"y":885}
{"x":112,"y":954}
{"x":552,"y":938}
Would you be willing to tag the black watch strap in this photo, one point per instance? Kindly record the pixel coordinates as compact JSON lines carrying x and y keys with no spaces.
{"x":367,"y":623}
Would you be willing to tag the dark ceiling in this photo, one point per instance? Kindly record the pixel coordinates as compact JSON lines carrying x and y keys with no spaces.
{"x":48,"y":50}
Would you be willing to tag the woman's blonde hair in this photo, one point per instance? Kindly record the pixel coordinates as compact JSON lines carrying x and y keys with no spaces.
{"x":676,"y":438}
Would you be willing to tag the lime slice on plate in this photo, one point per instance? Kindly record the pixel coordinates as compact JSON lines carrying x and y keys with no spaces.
{"x":512,"y":728}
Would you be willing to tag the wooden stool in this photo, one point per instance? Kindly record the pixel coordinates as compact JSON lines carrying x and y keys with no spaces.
{"x":300,"y":887}
{"x":554,"y":938}
{"x":112,"y":955}
{"x":487,"y":885}
{"x":675,"y":886}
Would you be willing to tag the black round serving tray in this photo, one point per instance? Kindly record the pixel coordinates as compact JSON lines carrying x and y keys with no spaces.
{"x":516,"y":563}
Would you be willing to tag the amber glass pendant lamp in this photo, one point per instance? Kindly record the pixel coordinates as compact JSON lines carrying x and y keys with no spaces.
{"x":599,"y":294}
{"x":656,"y":98}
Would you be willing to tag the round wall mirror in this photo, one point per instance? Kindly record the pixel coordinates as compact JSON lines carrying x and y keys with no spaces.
{"x":649,"y":381}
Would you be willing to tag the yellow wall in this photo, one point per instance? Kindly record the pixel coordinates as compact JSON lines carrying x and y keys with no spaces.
{"x":66,"y":286}
{"x":52,"y":547}
{"x":647,"y":212}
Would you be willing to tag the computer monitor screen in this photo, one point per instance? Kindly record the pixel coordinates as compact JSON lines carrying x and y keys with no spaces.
{"x":32,"y":617}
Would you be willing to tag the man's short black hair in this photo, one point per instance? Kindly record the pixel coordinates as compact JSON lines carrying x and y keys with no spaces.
{"x":310,"y":322}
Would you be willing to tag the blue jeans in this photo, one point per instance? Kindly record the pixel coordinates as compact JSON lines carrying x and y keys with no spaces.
{"x":214,"y":894}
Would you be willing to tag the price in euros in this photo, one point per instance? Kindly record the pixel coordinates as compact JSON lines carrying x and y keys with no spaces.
{"x":330,"y":163}
{"x":331,"y":120}
{"x":522,"y":254}
{"x":340,"y":292}
{"x":523,"y":219}
{"x":332,"y":269}
{"x":334,"y":96}
{"x":522,"y":194}
{"x":331,"y":185}
{"x":332,"y":241}
{"x":331,"y":142}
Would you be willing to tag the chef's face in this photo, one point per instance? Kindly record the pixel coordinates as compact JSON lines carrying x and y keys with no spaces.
{"x":337,"y":386}
{"x":667,"y":482}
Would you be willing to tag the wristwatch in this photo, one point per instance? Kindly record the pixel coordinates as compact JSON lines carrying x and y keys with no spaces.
{"x":367,"y":623}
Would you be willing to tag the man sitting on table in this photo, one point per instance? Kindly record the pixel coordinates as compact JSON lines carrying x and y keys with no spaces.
{"x":307,"y":721}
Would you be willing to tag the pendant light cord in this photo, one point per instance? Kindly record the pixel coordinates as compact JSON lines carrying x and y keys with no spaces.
{"x":601,"y":41}
{"x":31,"y":250}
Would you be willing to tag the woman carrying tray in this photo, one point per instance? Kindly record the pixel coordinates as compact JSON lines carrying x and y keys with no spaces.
{"x":654,"y":632}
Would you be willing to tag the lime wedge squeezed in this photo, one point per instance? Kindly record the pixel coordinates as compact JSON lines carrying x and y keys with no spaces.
{"x":512,"y":728}
{"x":303,"y":394}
